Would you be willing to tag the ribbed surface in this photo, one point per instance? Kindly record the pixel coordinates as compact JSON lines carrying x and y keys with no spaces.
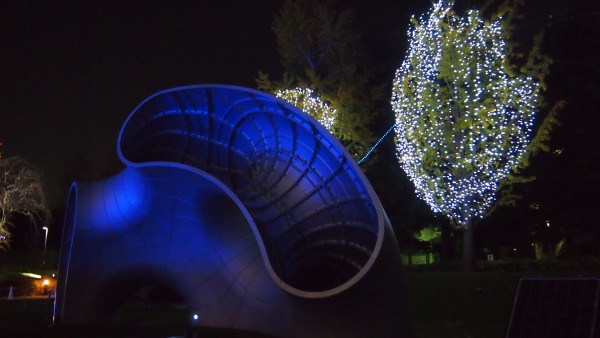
{"x":315,"y":216}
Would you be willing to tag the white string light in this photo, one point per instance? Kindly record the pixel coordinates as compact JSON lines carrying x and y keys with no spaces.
{"x":462,"y":123}
{"x":309,"y":102}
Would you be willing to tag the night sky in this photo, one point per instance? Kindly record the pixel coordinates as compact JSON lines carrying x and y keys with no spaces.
{"x":71,"y":74}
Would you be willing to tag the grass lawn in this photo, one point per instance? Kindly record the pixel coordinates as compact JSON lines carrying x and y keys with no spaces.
{"x":30,"y":318}
{"x":459,"y":304}
{"x":442,"y":304}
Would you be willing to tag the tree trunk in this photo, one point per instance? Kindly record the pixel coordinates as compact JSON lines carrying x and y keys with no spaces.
{"x":448,"y":250}
{"x":468,"y":254}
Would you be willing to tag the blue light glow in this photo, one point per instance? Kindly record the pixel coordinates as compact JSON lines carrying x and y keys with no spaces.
{"x":235,"y":200}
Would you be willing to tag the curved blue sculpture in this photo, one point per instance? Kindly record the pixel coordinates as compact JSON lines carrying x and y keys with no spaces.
{"x":245,"y":206}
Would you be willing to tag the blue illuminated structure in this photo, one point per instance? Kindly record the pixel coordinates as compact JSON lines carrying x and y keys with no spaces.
{"x":246,"y":207}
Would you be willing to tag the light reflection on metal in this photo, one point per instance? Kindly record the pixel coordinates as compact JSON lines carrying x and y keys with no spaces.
{"x":247,"y":208}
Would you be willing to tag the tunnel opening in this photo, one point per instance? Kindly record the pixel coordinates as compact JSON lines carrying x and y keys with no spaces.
{"x":152,"y":307}
{"x":152,"y":304}
{"x":141,"y":304}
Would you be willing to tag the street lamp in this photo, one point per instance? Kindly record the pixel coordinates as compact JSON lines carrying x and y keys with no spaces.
{"x":45,"y":242}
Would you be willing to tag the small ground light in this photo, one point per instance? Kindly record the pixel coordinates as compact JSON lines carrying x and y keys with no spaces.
{"x":45,"y":283}
{"x":190,"y":327}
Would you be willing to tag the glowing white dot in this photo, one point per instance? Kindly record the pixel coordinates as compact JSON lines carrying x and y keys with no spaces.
{"x":309,"y":102}
{"x":463,"y":123}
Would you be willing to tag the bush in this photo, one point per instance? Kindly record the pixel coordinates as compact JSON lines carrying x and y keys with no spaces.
{"x":580,"y":266}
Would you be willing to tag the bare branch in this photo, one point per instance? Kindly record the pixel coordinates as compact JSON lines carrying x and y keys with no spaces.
{"x":21,"y":192}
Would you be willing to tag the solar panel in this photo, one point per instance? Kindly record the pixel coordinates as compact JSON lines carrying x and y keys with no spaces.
{"x":555,"y":307}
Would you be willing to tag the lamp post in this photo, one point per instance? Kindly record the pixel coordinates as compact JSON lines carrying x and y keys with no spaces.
{"x":45,"y":242}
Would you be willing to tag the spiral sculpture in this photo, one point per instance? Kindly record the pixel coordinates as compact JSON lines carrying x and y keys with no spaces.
{"x":246,"y":207}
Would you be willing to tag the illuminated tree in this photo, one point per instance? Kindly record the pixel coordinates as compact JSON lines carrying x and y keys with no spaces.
{"x":464,"y":114}
{"x":320,"y":50}
{"x":20,"y":193}
{"x":307,"y":100}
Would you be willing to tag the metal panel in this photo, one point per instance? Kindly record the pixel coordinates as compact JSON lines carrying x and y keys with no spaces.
{"x":245,"y":206}
{"x":549,"y":307}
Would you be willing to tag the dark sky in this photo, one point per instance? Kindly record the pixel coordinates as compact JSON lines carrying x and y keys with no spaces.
{"x":71,"y":74}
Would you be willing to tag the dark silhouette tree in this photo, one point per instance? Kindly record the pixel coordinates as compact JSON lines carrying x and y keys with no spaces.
{"x":320,"y":52}
{"x":21,"y":192}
